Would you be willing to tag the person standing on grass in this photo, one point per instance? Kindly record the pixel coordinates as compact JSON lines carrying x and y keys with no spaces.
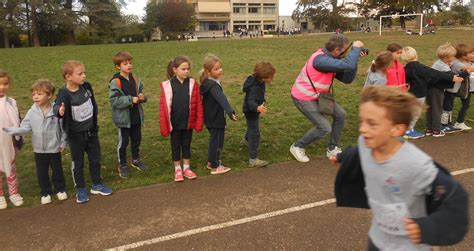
{"x":48,"y":140}
{"x":216,"y":107}
{"x":316,"y":77}
{"x":376,"y":75}
{"x":254,"y":105}
{"x":396,"y":72}
{"x":76,"y":105}
{"x":181,"y":111}
{"x":126,"y":97}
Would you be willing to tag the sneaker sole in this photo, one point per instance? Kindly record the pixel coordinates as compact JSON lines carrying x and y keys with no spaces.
{"x":220,"y":172}
{"x":190,"y":178}
{"x":438,"y":136}
{"x":178,"y":180}
{"x":137,"y":167}
{"x":300,"y":160}
{"x":94,"y":192}
{"x":81,"y":202}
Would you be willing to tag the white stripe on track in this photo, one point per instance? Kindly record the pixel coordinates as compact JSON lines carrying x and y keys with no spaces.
{"x":240,"y":221}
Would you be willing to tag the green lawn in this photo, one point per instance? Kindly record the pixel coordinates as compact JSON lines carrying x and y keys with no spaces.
{"x":280,"y":127}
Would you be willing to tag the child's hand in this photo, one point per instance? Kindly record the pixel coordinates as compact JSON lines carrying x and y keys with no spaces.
{"x":234,"y":118}
{"x":456,"y":78}
{"x":141,"y":96}
{"x":61,"y":149}
{"x":262,"y":109}
{"x":62,"y":109}
{"x":413,"y":230}
{"x":135,"y":100}
{"x":333,"y":160}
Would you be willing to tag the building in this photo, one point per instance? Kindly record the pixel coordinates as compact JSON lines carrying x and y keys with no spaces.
{"x":288,"y":23}
{"x":216,"y":16}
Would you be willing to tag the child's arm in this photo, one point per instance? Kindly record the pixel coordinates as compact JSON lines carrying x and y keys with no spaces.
{"x":116,"y":97}
{"x":252,"y":102}
{"x":63,"y":134}
{"x":25,"y":126}
{"x":448,"y":217}
{"x":59,"y":104}
{"x":436,"y":76}
{"x":223,"y":102}
{"x":200,"y":109}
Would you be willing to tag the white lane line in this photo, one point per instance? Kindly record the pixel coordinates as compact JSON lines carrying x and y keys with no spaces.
{"x":240,"y":221}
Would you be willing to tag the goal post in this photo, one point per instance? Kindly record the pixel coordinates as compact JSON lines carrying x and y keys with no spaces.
{"x":398,"y":16}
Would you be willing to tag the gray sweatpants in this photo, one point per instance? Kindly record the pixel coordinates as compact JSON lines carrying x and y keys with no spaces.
{"x":321,"y":125}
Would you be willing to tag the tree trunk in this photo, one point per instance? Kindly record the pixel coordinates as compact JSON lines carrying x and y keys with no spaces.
{"x":27,"y":11}
{"x":6,"y":39}
{"x":71,"y":37}
{"x":34,"y":24}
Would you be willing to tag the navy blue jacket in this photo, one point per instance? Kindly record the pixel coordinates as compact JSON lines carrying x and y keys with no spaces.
{"x":215,"y":104}
{"x":448,"y":206}
{"x":345,"y":69}
{"x":254,"y":96}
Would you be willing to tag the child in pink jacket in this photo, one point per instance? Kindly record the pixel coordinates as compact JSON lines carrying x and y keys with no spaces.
{"x":396,"y":72}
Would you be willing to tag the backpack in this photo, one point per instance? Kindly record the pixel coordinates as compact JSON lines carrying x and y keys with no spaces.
{"x":119,"y":83}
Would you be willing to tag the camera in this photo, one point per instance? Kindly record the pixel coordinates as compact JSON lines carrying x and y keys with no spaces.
{"x":365,"y":51}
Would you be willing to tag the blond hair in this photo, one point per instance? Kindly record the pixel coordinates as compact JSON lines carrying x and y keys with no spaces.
{"x":401,"y":106}
{"x":209,"y":62}
{"x":43,"y":86}
{"x":67,"y":68}
{"x":409,"y":54}
{"x":263,"y":69}
{"x":4,"y":74}
{"x":122,"y":56}
{"x":446,"y":50}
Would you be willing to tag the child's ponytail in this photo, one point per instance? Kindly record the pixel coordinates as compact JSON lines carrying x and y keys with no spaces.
{"x":209,"y":61}
{"x":169,"y":70}
{"x":202,"y":75}
{"x":382,"y":61}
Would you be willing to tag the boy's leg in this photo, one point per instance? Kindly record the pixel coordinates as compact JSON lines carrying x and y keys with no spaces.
{"x":417,"y":114}
{"x":321,"y":125}
{"x":57,"y":173}
{"x":42,"y":166}
{"x":212,"y":155}
{"x":253,"y":132}
{"x":429,"y":111}
{"x":465,"y":105}
{"x":77,"y":143}
{"x":437,"y":106}
{"x":186,"y":138}
{"x":94,"y":155}
{"x":448,"y":104}
{"x":339,"y":116}
{"x":220,"y":141}
{"x":123,"y":139}
{"x":136,"y":140}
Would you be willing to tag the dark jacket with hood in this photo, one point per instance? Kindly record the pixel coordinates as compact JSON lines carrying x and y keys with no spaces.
{"x":215,"y":104}
{"x":254,"y":96}
{"x":447,"y":206}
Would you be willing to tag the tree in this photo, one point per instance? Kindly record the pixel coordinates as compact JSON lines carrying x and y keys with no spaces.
{"x":9,"y":11}
{"x":326,"y":14}
{"x":169,"y":16}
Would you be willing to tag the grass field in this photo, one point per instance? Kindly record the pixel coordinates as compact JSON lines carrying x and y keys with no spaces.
{"x":280,"y":127}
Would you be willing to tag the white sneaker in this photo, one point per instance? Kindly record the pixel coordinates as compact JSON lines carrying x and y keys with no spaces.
{"x":3,"y":202}
{"x":462,"y":126}
{"x":334,"y":152}
{"x":299,"y":153}
{"x":45,"y":199}
{"x":62,"y":196}
{"x":16,"y":199}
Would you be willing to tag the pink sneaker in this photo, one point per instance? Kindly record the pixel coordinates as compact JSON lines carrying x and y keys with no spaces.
{"x":220,"y":169}
{"x":178,"y":175}
{"x":189,"y":174}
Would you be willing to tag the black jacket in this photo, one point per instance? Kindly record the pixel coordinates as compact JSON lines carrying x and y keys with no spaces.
{"x":448,"y":206}
{"x":215,"y":104}
{"x":64,"y":97}
{"x":254,"y":96}
{"x":421,"y":77}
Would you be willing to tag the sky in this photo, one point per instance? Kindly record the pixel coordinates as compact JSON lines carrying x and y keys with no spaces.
{"x":137,"y":7}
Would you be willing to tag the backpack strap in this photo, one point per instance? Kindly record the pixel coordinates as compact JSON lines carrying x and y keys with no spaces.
{"x":119,"y":83}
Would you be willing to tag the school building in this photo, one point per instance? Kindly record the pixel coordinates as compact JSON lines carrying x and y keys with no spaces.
{"x":216,"y":16}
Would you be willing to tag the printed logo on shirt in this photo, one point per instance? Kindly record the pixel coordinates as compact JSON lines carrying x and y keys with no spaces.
{"x":391,"y":186}
{"x":82,"y":112}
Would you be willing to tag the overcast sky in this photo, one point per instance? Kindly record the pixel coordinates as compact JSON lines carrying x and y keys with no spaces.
{"x":137,"y":7}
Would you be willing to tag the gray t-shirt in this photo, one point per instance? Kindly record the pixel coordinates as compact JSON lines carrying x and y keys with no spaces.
{"x":82,"y":110}
{"x":396,"y":189}
{"x":375,"y":78}
{"x":457,"y":68}
{"x":441,"y":66}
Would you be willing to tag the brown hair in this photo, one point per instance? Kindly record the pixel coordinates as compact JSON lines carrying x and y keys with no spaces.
{"x":67,"y":68}
{"x":394,"y":47}
{"x":122,"y":56}
{"x":263,"y":69}
{"x":401,"y":106}
{"x":463,"y":50}
{"x":446,"y":50}
{"x":209,"y":61}
{"x":43,"y":85}
{"x":382,"y":61}
{"x":4,"y":74}
{"x":336,"y":41}
{"x":175,"y":63}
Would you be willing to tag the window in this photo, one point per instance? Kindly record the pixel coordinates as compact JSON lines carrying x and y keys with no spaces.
{"x":269,"y":27}
{"x":212,"y":26}
{"x":254,"y":8}
{"x":269,"y":10}
{"x":239,"y":8}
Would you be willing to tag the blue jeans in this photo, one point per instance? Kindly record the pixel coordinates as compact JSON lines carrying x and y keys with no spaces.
{"x":321,"y":125}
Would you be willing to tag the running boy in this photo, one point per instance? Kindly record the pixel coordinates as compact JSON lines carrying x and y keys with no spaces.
{"x":126,"y":96}
{"x":77,"y":107}
{"x":414,"y":202}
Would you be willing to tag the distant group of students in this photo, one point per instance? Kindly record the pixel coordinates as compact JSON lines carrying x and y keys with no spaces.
{"x":409,"y":195}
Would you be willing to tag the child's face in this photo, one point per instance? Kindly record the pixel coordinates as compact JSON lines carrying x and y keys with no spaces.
{"x":471,"y":56}
{"x":125,"y":67}
{"x":448,"y":60}
{"x":268,"y":80}
{"x":78,"y":75}
{"x":396,"y":55}
{"x":4,"y":86}
{"x":41,"y":98}
{"x":182,"y":71}
{"x":375,"y":127}
{"x":216,"y":71}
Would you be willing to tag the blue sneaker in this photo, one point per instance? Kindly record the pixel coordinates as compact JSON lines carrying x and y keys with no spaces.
{"x":101,"y":189}
{"x":413,"y":134}
{"x":81,"y":195}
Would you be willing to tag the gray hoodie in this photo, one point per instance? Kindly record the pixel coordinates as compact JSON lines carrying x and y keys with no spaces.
{"x":48,"y":135}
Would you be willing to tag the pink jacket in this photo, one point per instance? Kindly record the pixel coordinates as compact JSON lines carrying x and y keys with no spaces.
{"x":396,"y":75}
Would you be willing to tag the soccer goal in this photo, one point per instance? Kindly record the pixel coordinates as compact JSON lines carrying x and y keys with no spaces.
{"x":415,"y":27}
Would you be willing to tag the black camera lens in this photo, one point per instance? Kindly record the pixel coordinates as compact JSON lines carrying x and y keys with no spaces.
{"x":365,"y":51}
